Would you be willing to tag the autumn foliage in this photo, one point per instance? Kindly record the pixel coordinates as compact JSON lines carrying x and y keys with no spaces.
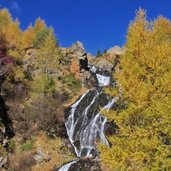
{"x":143,"y":139}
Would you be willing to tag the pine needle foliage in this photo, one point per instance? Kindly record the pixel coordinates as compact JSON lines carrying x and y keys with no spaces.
{"x":143,"y":140}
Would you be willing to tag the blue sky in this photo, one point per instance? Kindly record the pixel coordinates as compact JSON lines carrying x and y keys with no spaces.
{"x":99,"y":24}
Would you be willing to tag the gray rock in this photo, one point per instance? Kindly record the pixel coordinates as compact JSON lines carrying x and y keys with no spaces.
{"x":105,"y":65}
{"x":116,"y":50}
{"x":79,"y":51}
{"x":84,"y":165}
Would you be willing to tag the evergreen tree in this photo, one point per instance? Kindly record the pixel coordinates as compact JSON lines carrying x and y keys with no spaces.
{"x":98,"y":53}
{"x":28,"y":37}
{"x":105,"y":51}
{"x":49,"y":54}
{"x":143,"y":139}
{"x":39,"y":25}
{"x":41,"y":31}
{"x":10,"y":28}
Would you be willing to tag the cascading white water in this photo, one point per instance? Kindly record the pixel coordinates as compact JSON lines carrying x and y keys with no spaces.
{"x":83,"y":138}
{"x":67,"y":166}
{"x":94,"y":130}
{"x":70,"y":126}
{"x":93,"y":69}
{"x":103,"y":80}
{"x":72,"y":122}
{"x":85,"y":127}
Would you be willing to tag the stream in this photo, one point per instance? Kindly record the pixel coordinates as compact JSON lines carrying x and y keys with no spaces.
{"x":86,"y":126}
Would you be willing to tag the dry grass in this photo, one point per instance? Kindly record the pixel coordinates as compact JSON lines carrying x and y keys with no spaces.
{"x":47,"y":146}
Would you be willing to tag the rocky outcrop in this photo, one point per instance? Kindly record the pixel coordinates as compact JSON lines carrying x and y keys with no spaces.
{"x":78,"y":50}
{"x":75,"y":57}
{"x":116,"y":50}
{"x":105,"y":65}
{"x":77,"y":61}
{"x":75,"y":67}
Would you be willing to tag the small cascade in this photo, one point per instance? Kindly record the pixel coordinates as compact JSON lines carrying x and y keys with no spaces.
{"x":85,"y":125}
{"x":103,"y":80}
{"x":67,"y":166}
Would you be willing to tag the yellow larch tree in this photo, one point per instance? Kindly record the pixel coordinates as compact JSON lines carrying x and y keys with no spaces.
{"x":143,"y":138}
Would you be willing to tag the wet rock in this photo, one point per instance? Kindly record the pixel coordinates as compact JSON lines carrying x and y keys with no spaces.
{"x":86,"y":122}
{"x":86,"y":165}
{"x":87,"y":79}
{"x":82,"y":165}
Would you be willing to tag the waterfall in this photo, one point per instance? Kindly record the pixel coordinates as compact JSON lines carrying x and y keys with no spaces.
{"x":103,"y":80}
{"x":85,"y":125}
{"x":67,"y":166}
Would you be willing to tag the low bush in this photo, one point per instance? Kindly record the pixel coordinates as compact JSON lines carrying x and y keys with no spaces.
{"x":27,"y":146}
{"x":11,"y":146}
{"x":71,"y":82}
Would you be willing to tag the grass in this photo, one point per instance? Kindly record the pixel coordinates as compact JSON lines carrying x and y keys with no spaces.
{"x":58,"y":152}
{"x":72,"y":83}
{"x":27,"y":146}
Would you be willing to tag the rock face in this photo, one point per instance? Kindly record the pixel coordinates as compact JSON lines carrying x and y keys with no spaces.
{"x":79,"y":51}
{"x":116,"y":50}
{"x":76,"y":55}
{"x":82,"y":165}
{"x":75,"y":60}
{"x":75,"y":67}
{"x":105,"y":65}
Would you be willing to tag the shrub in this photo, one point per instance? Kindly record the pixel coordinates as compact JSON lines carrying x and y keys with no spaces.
{"x":43,"y":84}
{"x":11,"y":146}
{"x":71,"y":82}
{"x":27,"y":146}
{"x":40,"y":36}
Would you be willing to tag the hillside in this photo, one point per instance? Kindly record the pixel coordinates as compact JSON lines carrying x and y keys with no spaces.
{"x":52,"y":99}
